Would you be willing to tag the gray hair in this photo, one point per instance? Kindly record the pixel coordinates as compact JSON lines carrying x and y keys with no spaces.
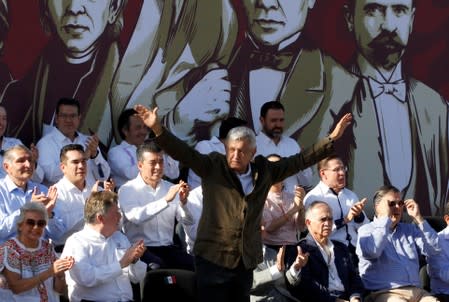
{"x":31,"y":207}
{"x":313,"y":205}
{"x":384,"y":190}
{"x":242,"y":133}
{"x":112,"y":31}
{"x":9,"y":156}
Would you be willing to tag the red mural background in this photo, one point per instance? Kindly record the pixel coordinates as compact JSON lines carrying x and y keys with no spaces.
{"x":427,"y":56}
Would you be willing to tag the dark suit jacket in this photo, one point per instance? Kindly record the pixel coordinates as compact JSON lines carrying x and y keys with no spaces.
{"x":314,"y":89}
{"x":229,"y":227}
{"x":313,"y":282}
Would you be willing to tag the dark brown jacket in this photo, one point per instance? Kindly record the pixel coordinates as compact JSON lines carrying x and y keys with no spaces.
{"x":229,"y":228}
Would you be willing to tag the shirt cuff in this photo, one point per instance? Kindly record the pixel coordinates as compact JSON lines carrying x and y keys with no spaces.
{"x":274,"y":272}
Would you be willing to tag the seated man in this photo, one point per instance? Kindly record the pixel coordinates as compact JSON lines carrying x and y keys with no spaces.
{"x":328,"y":274}
{"x":389,"y":250}
{"x":73,"y":191}
{"x":150,"y":205}
{"x":16,"y":189}
{"x":122,"y":158}
{"x":439,"y":263}
{"x":67,"y":121}
{"x":346,"y":208}
{"x":105,"y":261}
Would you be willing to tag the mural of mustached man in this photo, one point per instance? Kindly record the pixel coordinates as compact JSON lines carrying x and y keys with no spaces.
{"x":78,"y":62}
{"x":276,"y":62}
{"x":400,"y":124}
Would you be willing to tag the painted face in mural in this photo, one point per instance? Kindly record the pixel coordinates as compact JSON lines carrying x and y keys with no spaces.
{"x":80,"y":23}
{"x":382,"y":29}
{"x":272,"y":21}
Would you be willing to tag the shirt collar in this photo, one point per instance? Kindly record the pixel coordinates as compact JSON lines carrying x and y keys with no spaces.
{"x":11,"y":186}
{"x":61,"y":137}
{"x":368,"y":70}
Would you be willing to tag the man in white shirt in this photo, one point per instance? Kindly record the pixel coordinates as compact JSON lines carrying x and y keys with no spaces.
{"x":67,"y":121}
{"x":73,"y":191}
{"x":122,"y":158}
{"x":346,"y":208}
{"x":215,"y":144}
{"x":270,"y":140}
{"x":105,"y":261}
{"x":151,"y":205}
{"x":322,"y":270}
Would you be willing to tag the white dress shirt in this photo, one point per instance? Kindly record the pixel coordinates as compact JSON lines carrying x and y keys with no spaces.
{"x":9,"y":142}
{"x":148,"y":215}
{"x":205,"y":147}
{"x":123,"y":162}
{"x":70,"y":206}
{"x":97,"y":274}
{"x":195,"y":206}
{"x":50,"y":147}
{"x":327,"y":251}
{"x":394,"y":126}
{"x":286,"y":147}
{"x":340,"y":206}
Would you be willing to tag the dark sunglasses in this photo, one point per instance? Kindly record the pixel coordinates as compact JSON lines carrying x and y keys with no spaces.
{"x":395,"y":203}
{"x":32,"y":223}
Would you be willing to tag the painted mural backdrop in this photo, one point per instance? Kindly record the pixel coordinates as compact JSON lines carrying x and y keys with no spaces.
{"x":200,"y":61}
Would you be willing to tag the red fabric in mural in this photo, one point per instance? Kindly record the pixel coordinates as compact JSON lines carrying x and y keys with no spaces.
{"x":427,"y":54}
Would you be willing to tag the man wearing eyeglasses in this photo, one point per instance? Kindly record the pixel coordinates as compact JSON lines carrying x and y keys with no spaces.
{"x":67,"y":121}
{"x":345,"y":204}
{"x":322,"y":270}
{"x":389,"y":250}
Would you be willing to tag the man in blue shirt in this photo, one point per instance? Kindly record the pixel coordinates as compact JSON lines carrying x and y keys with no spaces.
{"x":389,"y":250}
{"x":439,"y":263}
{"x":16,"y":189}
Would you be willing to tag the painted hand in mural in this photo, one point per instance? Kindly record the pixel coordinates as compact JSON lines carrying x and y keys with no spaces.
{"x":210,"y":98}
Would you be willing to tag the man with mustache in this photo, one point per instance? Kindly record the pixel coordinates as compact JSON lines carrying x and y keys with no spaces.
{"x":271,"y":140}
{"x":277,"y":62}
{"x":406,"y":119}
{"x":78,"y":62}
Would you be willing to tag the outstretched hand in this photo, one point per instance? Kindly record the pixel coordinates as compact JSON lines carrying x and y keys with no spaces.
{"x":341,"y":126}
{"x":149,"y":118}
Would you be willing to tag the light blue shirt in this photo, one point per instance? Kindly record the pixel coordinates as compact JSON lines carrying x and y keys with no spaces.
{"x":12,"y":198}
{"x":390,"y":258}
{"x":439,"y":265}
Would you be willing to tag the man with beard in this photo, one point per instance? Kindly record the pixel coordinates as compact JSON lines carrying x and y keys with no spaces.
{"x":274,"y":61}
{"x":406,"y":119}
{"x":271,"y":140}
{"x":389,"y":250}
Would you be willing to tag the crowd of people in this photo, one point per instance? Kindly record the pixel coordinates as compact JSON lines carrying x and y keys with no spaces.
{"x":86,"y":227}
